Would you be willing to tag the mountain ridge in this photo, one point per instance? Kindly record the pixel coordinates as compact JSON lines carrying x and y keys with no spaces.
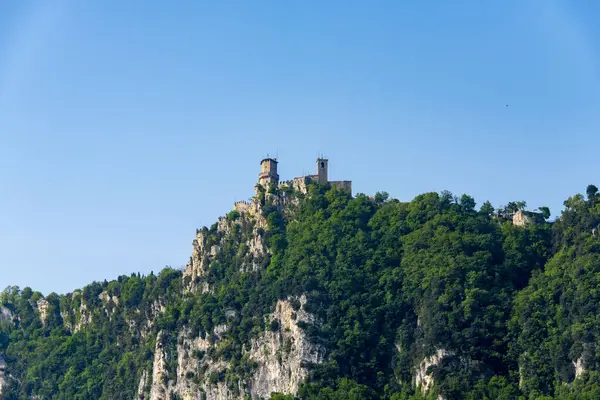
{"x":319,"y":294}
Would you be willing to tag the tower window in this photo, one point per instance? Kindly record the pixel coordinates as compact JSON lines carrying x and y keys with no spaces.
{"x":322,"y":164}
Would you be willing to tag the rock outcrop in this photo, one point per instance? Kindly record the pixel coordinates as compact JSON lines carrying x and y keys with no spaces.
{"x":43,"y":306}
{"x":160,"y":375}
{"x":196,"y":267}
{"x":579,"y":367}
{"x":109,"y":300}
{"x":205,"y":250}
{"x":197,"y":376}
{"x":4,"y":379}
{"x":5,"y":314}
{"x":142,"y":386}
{"x":281,"y":357}
{"x":524,"y":218}
{"x":194,"y":365}
{"x":83,"y":318}
{"x":423,"y":378}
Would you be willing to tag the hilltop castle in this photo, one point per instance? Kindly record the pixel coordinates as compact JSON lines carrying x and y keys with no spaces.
{"x":268,"y":176}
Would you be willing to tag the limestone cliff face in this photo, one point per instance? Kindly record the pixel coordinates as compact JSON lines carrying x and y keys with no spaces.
{"x":424,"y":363}
{"x":280,"y":357}
{"x":142,"y":386}
{"x":206,"y":249}
{"x":160,"y":374}
{"x":111,"y":302}
{"x":5,"y":314}
{"x":196,"y":267}
{"x":82,"y":318}
{"x":4,"y":380}
{"x":579,"y":367}
{"x":423,"y":378}
{"x":4,"y":383}
{"x":192,"y":366}
{"x":196,"y":371}
{"x":43,"y":307}
{"x":582,"y":363}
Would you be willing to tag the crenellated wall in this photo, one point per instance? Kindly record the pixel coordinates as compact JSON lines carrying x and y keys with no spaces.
{"x":241,"y":206}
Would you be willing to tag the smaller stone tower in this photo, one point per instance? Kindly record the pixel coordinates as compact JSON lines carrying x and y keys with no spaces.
{"x":322,"y":177}
{"x":268,"y":173}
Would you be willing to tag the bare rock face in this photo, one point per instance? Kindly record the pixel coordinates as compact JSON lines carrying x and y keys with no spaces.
{"x":4,"y":379}
{"x":84,"y":318}
{"x":257,"y":249}
{"x":109,"y":300}
{"x":66,"y":321}
{"x":224,"y":226}
{"x":199,"y":259}
{"x":190,"y":354}
{"x":160,"y":375}
{"x":582,"y":364}
{"x":520,"y":219}
{"x":422,"y":378}
{"x":5,"y":314}
{"x":4,"y":382}
{"x":142,"y":386}
{"x":195,"y":369}
{"x":524,"y":218}
{"x":43,"y":306}
{"x":204,"y":250}
{"x":282,"y":354}
{"x":579,"y":367}
{"x":203,"y":253}
{"x":279,"y":357}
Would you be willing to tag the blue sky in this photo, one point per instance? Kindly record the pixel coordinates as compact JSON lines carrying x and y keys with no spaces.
{"x":124,"y":126}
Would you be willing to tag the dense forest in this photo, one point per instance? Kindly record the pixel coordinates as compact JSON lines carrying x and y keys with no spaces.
{"x":486,"y":309}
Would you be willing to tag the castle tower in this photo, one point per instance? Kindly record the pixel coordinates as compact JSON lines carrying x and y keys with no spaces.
{"x":268,"y":173}
{"x":322,"y":178}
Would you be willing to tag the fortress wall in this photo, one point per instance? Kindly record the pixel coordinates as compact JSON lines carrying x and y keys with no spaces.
{"x":241,"y":206}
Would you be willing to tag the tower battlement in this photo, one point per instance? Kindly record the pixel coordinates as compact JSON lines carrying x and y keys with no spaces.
{"x":268,"y":172}
{"x":242,"y":205}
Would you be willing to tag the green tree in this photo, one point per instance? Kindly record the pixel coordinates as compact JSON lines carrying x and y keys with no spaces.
{"x":545,"y":211}
{"x":487,"y":209}
{"x":592,"y":192}
{"x":467,"y":202}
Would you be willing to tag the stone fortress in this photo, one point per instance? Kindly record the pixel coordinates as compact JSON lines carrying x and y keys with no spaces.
{"x":268,"y":177}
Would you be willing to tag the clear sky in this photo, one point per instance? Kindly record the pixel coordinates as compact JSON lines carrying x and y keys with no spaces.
{"x":126,"y":125}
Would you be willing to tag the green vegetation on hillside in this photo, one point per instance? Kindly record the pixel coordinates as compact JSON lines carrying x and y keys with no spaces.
{"x":515,"y":309}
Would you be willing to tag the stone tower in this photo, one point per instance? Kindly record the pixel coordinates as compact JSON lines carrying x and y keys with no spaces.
{"x":322,"y":177}
{"x":268,"y":173}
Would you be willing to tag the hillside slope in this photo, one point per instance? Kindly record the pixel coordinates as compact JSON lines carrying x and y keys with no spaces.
{"x":325,"y":296}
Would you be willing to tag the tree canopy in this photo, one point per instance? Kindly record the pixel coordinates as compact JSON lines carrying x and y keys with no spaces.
{"x":514,"y":309}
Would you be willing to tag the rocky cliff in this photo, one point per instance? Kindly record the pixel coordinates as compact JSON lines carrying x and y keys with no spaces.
{"x":188,"y":363}
{"x":278,"y":356}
